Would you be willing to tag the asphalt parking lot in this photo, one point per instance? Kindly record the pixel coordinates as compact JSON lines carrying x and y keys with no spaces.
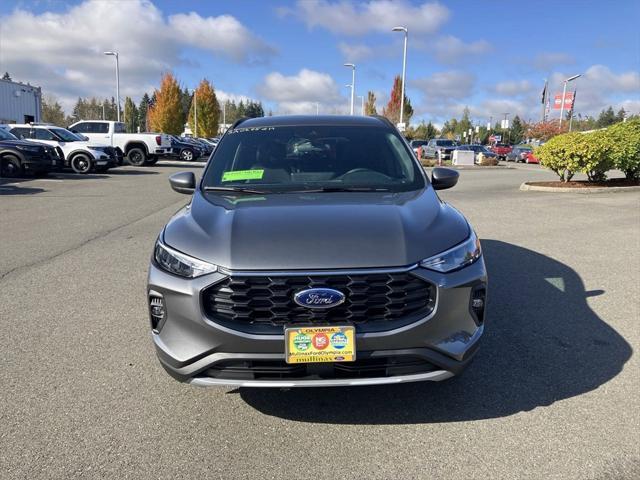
{"x":553,"y":392}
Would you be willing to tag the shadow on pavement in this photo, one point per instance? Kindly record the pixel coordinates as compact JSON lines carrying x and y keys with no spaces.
{"x":542,"y":344}
{"x":179,"y":164}
{"x":19,"y":190}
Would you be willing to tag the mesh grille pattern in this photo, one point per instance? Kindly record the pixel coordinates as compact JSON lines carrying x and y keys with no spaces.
{"x":379,"y":297}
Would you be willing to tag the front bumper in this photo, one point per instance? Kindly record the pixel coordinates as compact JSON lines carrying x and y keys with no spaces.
{"x":195,"y":349}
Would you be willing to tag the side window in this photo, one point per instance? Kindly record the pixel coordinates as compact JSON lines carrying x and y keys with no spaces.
{"x":117,"y":128}
{"x":44,"y":134}
{"x":21,"y":133}
{"x":80,"y":127}
{"x":100,"y":128}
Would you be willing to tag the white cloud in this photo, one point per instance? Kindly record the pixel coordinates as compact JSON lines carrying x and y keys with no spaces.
{"x":299,"y":93}
{"x":355,"y":52}
{"x":512,"y":88}
{"x":347,"y":18}
{"x":449,"y":49}
{"x":548,"y":60}
{"x":63,"y":52}
{"x":446,"y":86}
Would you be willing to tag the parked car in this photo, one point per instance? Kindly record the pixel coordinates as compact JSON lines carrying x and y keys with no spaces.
{"x":204,"y":147}
{"x":315,"y":252}
{"x":79,"y":155}
{"x":478,"y":150}
{"x":18,"y":157}
{"x":415,"y":146}
{"x":185,"y":151}
{"x":530,"y":158}
{"x":139,"y":148}
{"x":501,"y":150}
{"x":442,"y":147}
{"x":518,"y":153}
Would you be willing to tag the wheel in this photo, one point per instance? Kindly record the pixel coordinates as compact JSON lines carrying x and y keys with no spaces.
{"x":10,"y":167}
{"x":187,"y":155}
{"x":151,"y":161}
{"x":81,"y":163}
{"x":136,"y":157}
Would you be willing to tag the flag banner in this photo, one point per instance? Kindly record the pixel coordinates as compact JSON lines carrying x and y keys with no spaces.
{"x":568,"y":101}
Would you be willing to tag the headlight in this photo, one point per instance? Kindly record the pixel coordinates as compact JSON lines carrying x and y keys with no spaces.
{"x":457,"y":257}
{"x":29,"y":148}
{"x":180,"y":264}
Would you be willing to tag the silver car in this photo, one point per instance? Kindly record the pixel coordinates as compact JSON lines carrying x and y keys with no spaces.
{"x":315,"y":252}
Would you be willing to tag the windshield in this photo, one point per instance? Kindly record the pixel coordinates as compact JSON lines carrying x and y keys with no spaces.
{"x":290,"y":158}
{"x":4,"y":135}
{"x":65,"y":135}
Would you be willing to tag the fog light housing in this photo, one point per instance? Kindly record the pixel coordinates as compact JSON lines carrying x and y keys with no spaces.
{"x":478,"y":303}
{"x":157,"y":312}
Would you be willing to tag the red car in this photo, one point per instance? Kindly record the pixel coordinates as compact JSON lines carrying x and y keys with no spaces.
{"x":501,"y":150}
{"x":529,"y":158}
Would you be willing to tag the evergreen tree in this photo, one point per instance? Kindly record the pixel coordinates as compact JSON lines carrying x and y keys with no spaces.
{"x":518,"y":129}
{"x":130,"y":115}
{"x":431,"y":132}
{"x":6,"y":76}
{"x":143,"y":109}
{"x":620,"y":115}
{"x":607,"y":117}
{"x":241,"y":110}
{"x":186,"y":98}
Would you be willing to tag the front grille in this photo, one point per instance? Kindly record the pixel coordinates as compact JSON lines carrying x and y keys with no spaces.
{"x":278,"y":370}
{"x":378,"y":298}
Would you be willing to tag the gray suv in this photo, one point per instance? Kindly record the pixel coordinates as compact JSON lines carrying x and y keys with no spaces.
{"x":315,"y":252}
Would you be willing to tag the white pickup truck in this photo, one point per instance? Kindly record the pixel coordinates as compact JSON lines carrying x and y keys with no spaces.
{"x":139,"y":148}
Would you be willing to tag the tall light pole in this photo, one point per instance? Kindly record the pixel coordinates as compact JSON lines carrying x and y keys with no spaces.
{"x":505,"y":126}
{"x":404,"y":68}
{"x":353,"y":83}
{"x":361,"y":97}
{"x":195,"y":113}
{"x":115,"y":54}
{"x":564,"y":93}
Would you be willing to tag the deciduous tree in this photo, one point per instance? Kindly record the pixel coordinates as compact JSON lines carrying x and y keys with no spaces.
{"x":392,"y":111}
{"x":166,"y":114}
{"x":208,"y":109}
{"x":370,"y":105}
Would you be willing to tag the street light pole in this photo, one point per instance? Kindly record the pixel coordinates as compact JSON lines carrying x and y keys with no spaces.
{"x":404,"y":68}
{"x":353,"y":83}
{"x":361,"y":97}
{"x":504,"y":126}
{"x":115,"y":54}
{"x":564,"y":93}
{"x":195,"y":113}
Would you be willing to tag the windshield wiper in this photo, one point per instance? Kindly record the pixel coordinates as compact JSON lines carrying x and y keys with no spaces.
{"x":234,"y":189}
{"x":340,"y":189}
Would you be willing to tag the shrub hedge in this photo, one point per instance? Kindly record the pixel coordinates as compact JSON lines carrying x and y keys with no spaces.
{"x":594,"y":153}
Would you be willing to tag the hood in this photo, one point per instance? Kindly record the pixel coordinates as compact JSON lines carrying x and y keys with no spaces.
{"x":16,"y":143}
{"x":316,"y":231}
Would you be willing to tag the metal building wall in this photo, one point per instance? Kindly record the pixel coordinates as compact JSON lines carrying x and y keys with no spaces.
{"x":18,"y":100}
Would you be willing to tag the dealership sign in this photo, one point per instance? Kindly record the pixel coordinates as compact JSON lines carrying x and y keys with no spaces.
{"x":568,"y":101}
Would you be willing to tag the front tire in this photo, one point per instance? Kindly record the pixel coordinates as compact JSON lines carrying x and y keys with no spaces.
{"x":136,"y":157}
{"x":187,"y":155}
{"x":81,"y":164}
{"x":10,"y":167}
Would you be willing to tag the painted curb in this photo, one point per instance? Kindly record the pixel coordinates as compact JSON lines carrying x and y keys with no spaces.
{"x":584,"y":190}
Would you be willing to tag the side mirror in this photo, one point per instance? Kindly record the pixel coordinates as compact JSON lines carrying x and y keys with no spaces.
{"x":443,"y":178}
{"x":183,"y":182}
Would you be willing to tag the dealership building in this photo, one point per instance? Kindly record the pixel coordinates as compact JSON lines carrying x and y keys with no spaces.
{"x":19,"y":102}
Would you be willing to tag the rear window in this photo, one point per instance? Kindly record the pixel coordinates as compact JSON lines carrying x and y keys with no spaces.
{"x":445,"y":143}
{"x":292,"y":158}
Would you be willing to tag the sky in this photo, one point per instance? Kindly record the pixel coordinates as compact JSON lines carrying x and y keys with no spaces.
{"x":490,"y":56}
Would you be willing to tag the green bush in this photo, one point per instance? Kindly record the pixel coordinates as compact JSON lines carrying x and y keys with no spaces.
{"x":578,"y":152}
{"x":555,"y":156}
{"x":624,"y":139}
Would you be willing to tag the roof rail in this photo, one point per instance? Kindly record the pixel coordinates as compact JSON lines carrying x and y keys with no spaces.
{"x":238,"y":122}
{"x":384,"y":119}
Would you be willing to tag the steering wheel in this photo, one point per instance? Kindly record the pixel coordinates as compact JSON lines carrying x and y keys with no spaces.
{"x":369,"y":174}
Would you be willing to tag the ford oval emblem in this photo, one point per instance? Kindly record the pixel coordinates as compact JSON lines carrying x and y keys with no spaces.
{"x":319,"y":298}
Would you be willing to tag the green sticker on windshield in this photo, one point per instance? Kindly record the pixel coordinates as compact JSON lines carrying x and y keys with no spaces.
{"x":242,"y":175}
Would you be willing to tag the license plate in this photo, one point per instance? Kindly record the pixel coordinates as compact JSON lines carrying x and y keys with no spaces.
{"x":320,"y":344}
